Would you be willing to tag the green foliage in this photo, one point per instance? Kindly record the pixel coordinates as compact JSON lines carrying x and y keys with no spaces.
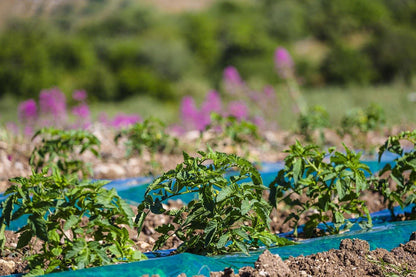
{"x":61,"y":150}
{"x":345,"y":65}
{"x":78,"y":46}
{"x":25,"y":68}
{"x":316,"y":118}
{"x":229,"y":214}
{"x":78,"y":224}
{"x":150,"y":135}
{"x":399,"y":186}
{"x":363,"y":121}
{"x":321,"y":190}
{"x":392,"y":52}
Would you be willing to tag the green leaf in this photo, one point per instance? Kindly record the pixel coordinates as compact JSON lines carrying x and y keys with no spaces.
{"x":224,"y":193}
{"x":245,"y":206}
{"x":297,"y":168}
{"x":210,"y":231}
{"x":157,"y":207}
{"x":40,"y":227}
{"x":242,"y":247}
{"x":223,"y":240}
{"x":72,"y":220}
{"x":24,"y":239}
{"x":241,"y":233}
{"x":56,"y":251}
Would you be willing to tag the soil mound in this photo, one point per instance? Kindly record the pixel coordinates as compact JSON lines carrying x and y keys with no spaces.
{"x":353,"y":258}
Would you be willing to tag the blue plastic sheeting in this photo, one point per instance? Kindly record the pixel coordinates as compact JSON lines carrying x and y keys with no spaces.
{"x":386,"y":235}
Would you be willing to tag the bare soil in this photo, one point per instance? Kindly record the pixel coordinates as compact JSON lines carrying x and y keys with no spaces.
{"x":353,"y":258}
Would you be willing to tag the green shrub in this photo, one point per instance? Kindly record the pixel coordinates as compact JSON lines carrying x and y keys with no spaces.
{"x":323,"y":191}
{"x":227,"y":215}
{"x":345,"y":65}
{"x":285,"y":19}
{"x":78,"y":224}
{"x":392,"y":52}
{"x":25,"y":66}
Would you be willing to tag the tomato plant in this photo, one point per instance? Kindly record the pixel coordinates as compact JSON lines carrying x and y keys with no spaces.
{"x":78,"y":224}
{"x":323,"y":186}
{"x":229,"y":214}
{"x":62,"y":149}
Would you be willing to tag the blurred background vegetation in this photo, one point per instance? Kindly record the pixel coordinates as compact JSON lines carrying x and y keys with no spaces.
{"x":144,"y":56}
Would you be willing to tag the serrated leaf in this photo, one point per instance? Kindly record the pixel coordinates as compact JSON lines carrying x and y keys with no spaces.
{"x":210,"y":231}
{"x":297,"y":167}
{"x":40,"y":227}
{"x":72,"y":220}
{"x":242,"y":247}
{"x":224,"y":193}
{"x":245,"y":206}
{"x":223,"y":240}
{"x":241,"y":233}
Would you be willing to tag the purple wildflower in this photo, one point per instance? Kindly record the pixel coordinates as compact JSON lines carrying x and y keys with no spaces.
{"x":212,"y":103}
{"x":283,"y":62}
{"x":27,"y":111}
{"x":79,"y":95}
{"x":191,"y":116}
{"x":232,"y":80}
{"x":188,"y":108}
{"x":124,"y":120}
{"x":238,"y":109}
{"x":82,"y":111}
{"x":28,"y":130}
{"x":53,"y":102}
{"x":232,"y":76}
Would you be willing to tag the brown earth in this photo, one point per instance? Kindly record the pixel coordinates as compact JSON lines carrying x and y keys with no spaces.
{"x":353,"y":258}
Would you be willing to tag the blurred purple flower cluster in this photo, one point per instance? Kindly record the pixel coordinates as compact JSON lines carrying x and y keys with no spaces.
{"x":197,"y":119}
{"x":119,"y":121}
{"x":260,"y":107}
{"x":283,"y":63}
{"x":52,"y":105}
{"x":52,"y":111}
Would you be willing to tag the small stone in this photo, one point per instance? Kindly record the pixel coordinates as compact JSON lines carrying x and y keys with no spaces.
{"x":7,"y":267}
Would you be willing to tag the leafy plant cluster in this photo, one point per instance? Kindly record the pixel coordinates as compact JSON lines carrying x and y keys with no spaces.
{"x":78,"y":224}
{"x":322,"y":185}
{"x":316,"y":118}
{"x":150,"y":135}
{"x":62,"y":150}
{"x":230,"y":130}
{"x":360,"y":121}
{"x":229,"y":214}
{"x":397,"y":183}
